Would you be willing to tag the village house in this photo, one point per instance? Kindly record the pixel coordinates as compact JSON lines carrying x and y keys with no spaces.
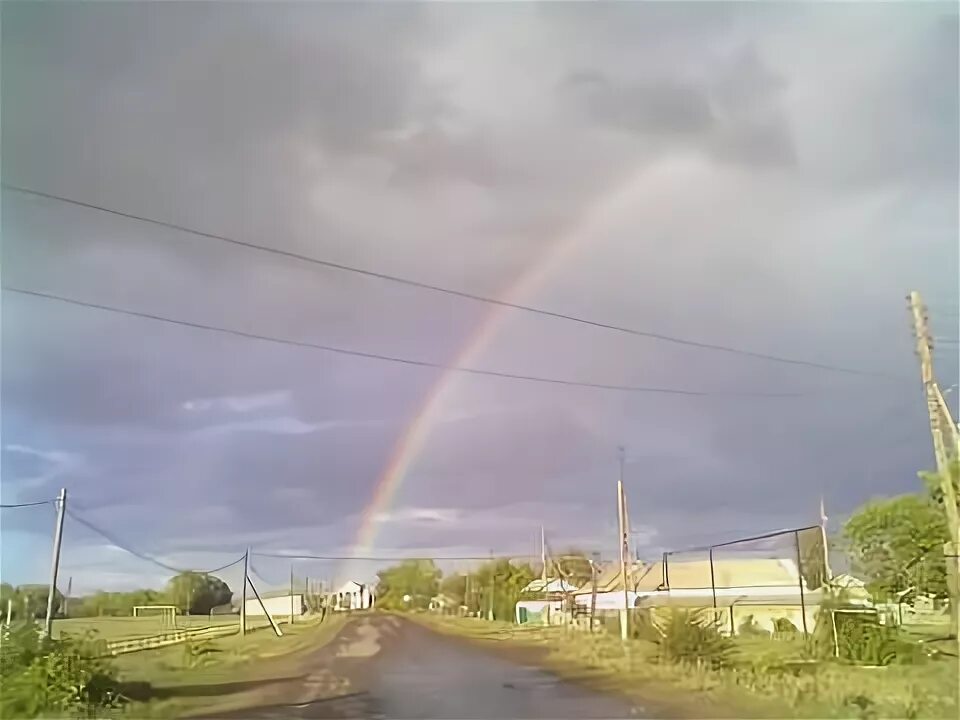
{"x":542,"y":600}
{"x":352,"y":596}
{"x":762,"y":592}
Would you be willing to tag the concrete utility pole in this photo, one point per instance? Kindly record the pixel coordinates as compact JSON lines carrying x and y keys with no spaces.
{"x":593,"y":591}
{"x":624,"y":553}
{"x":55,"y":564}
{"x":291,"y":594}
{"x":946,"y":449}
{"x":827,"y":572}
{"x":543,"y":556}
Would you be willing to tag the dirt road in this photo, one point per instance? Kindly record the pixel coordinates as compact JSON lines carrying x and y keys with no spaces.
{"x":383,"y":666}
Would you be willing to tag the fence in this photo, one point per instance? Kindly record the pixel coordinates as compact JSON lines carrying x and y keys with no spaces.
{"x":128,"y":645}
{"x":768,"y":582}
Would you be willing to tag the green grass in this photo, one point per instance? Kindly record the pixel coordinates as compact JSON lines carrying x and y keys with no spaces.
{"x":762,"y":682}
{"x":168,"y":683}
{"x":116,"y":628}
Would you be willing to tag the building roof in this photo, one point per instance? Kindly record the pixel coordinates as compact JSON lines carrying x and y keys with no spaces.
{"x":609,"y":578}
{"x":350,"y":586}
{"x":556,"y":585}
{"x":727,"y":573}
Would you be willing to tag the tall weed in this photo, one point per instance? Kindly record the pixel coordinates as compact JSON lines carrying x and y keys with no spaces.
{"x":44,"y":677}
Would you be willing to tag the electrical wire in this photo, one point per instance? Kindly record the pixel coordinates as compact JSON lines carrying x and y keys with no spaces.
{"x":395,"y":359}
{"x":284,"y":556}
{"x":450,"y":291}
{"x":29,"y":504}
{"x":143,"y":556}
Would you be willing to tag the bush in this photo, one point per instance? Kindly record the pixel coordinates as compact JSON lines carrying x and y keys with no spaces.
{"x":41,"y":676}
{"x":751,"y":628}
{"x":689,"y":637}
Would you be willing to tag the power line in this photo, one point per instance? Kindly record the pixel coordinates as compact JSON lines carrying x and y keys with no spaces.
{"x":390,"y":358}
{"x":284,"y":556}
{"x":29,"y":504}
{"x":450,"y":291}
{"x":143,"y":556}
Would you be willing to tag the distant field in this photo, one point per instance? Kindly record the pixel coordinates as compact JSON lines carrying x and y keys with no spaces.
{"x":114,"y":628}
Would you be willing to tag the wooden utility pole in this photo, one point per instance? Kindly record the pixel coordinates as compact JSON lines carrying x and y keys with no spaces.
{"x":946,"y":449}
{"x":291,"y":594}
{"x":55,"y":564}
{"x":624,"y":553}
{"x":243,"y":593}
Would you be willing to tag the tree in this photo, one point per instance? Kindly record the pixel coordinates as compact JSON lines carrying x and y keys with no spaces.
{"x":497,"y":585}
{"x":31,"y":600}
{"x":934,"y":486}
{"x":418,"y":579}
{"x":572,"y":566}
{"x":196,"y":593}
{"x":455,"y":588}
{"x":897,"y":543}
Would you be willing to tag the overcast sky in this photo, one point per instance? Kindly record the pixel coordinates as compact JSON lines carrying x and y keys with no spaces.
{"x":770,"y":177}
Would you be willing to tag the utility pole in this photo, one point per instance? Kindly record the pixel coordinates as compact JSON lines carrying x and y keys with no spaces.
{"x":291,"y":593}
{"x":828,"y":573}
{"x":243,"y":593}
{"x":622,"y":523}
{"x":273,"y":623}
{"x":543,"y":557}
{"x":69,"y":594}
{"x":593,"y":591}
{"x":55,"y":564}
{"x":946,"y":448}
{"x":493,"y":584}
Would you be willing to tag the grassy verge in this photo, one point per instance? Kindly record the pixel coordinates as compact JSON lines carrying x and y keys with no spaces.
{"x":116,"y":628}
{"x":767,"y":679}
{"x":220,"y":674}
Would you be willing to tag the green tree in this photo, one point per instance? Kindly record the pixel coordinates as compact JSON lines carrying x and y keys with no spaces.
{"x":7,"y":592}
{"x":32,"y":601}
{"x":418,"y":579}
{"x":573,"y":566}
{"x":455,"y":588}
{"x":497,"y":585}
{"x":896,"y":543}
{"x":935,"y":487}
{"x":196,"y":593}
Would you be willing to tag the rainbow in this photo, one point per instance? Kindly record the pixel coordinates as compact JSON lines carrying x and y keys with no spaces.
{"x":410,"y":443}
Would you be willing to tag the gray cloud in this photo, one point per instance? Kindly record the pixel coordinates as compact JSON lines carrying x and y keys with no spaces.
{"x":772,"y":177}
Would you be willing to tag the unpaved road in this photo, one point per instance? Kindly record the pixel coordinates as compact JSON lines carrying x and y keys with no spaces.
{"x":388,"y":667}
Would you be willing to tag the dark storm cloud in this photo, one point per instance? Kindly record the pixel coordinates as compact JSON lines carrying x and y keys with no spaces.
{"x":657,"y":107}
{"x":753,"y":176}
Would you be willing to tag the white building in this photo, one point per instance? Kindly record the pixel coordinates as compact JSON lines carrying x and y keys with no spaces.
{"x":352,"y":596}
{"x":279,"y":606}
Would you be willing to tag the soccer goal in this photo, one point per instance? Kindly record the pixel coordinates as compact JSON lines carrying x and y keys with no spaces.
{"x":166,"y":614}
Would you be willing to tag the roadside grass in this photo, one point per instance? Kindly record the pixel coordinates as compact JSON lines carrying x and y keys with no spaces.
{"x":766,"y":678}
{"x":212,"y":675}
{"x":116,"y":628}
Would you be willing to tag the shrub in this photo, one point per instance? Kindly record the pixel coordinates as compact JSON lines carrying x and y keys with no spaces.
{"x":751,"y":628}
{"x":688,"y":637}
{"x":41,"y":676}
